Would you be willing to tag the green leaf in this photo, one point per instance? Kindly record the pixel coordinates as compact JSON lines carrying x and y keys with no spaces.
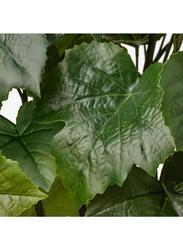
{"x":112,"y":118}
{"x":65,"y":42}
{"x":140,"y":195}
{"x":172,"y":104}
{"x":28,"y":142}
{"x":17,"y":193}
{"x":97,"y":37}
{"x":59,"y":202}
{"x":22,"y":59}
{"x":54,"y":38}
{"x":173,"y":181}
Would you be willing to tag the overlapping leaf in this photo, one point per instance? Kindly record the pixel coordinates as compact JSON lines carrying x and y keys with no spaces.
{"x":112,"y":118}
{"x":22,"y":59}
{"x":59,"y":202}
{"x":140,"y":195}
{"x":17,"y":193}
{"x":172,"y":104}
{"x":173,"y":181}
{"x":28,"y":142}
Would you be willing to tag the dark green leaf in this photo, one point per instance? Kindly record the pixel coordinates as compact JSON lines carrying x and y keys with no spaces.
{"x":140,"y":195}
{"x":172,"y":104}
{"x":112,"y":118}
{"x":22,"y":59}
{"x":28,"y":142}
{"x":173,"y":181}
{"x":17,"y":193}
{"x":97,"y":37}
{"x":65,"y":42}
{"x":54,"y":38}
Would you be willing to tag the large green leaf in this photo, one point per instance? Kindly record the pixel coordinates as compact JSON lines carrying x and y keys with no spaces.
{"x":173,"y":181}
{"x":140,"y":195}
{"x":112,"y":118}
{"x":22,"y":59}
{"x":28,"y":142}
{"x":59,"y":202}
{"x":172,"y":104}
{"x":17,"y":193}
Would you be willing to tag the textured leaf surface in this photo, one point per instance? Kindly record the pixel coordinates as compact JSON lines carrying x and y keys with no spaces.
{"x":173,"y":181}
{"x":140,"y":195}
{"x":112,"y":118}
{"x":22,"y":59}
{"x":172,"y":104}
{"x":28,"y":142}
{"x":59,"y":202}
{"x":17,"y":193}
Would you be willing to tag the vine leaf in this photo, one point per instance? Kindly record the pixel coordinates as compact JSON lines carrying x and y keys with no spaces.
{"x":173,"y":181}
{"x":112,"y":118}
{"x":22,"y":59}
{"x":172,"y":104}
{"x":17,"y":193}
{"x":140,"y":195}
{"x":28,"y":142}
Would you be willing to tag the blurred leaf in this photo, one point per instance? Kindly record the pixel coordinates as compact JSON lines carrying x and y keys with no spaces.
{"x":59,"y":202}
{"x":54,"y":38}
{"x":140,"y":195}
{"x":17,"y":193}
{"x":97,"y":37}
{"x":28,"y":142}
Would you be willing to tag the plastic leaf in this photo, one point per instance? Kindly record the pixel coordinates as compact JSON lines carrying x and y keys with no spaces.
{"x":17,"y":193}
{"x":28,"y":142}
{"x":22,"y":59}
{"x":112,"y":118}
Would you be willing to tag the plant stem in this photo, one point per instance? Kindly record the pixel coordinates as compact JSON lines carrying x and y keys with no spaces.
{"x":137,"y":56}
{"x":39,"y":209}
{"x":168,"y":49}
{"x":150,"y":51}
{"x":23,"y":95}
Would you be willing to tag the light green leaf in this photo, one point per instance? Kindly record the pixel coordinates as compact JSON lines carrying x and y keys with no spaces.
{"x":22,"y":59}
{"x":172,"y":104}
{"x":112,"y":118}
{"x":28,"y":142}
{"x":140,"y":195}
{"x":17,"y":193}
{"x":173,"y":181}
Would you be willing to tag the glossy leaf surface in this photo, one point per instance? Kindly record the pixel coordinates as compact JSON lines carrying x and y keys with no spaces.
{"x":172,"y":104}
{"x":17,"y":193}
{"x":173,"y":181}
{"x":59,"y":202}
{"x":22,"y":59}
{"x":28,"y":142}
{"x":112,"y":118}
{"x":140,"y":195}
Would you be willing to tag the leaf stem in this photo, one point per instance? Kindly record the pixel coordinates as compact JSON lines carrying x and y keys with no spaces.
{"x":150,"y":51}
{"x":39,"y":209}
{"x":23,"y":95}
{"x":137,"y":56}
{"x":168,"y":49}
